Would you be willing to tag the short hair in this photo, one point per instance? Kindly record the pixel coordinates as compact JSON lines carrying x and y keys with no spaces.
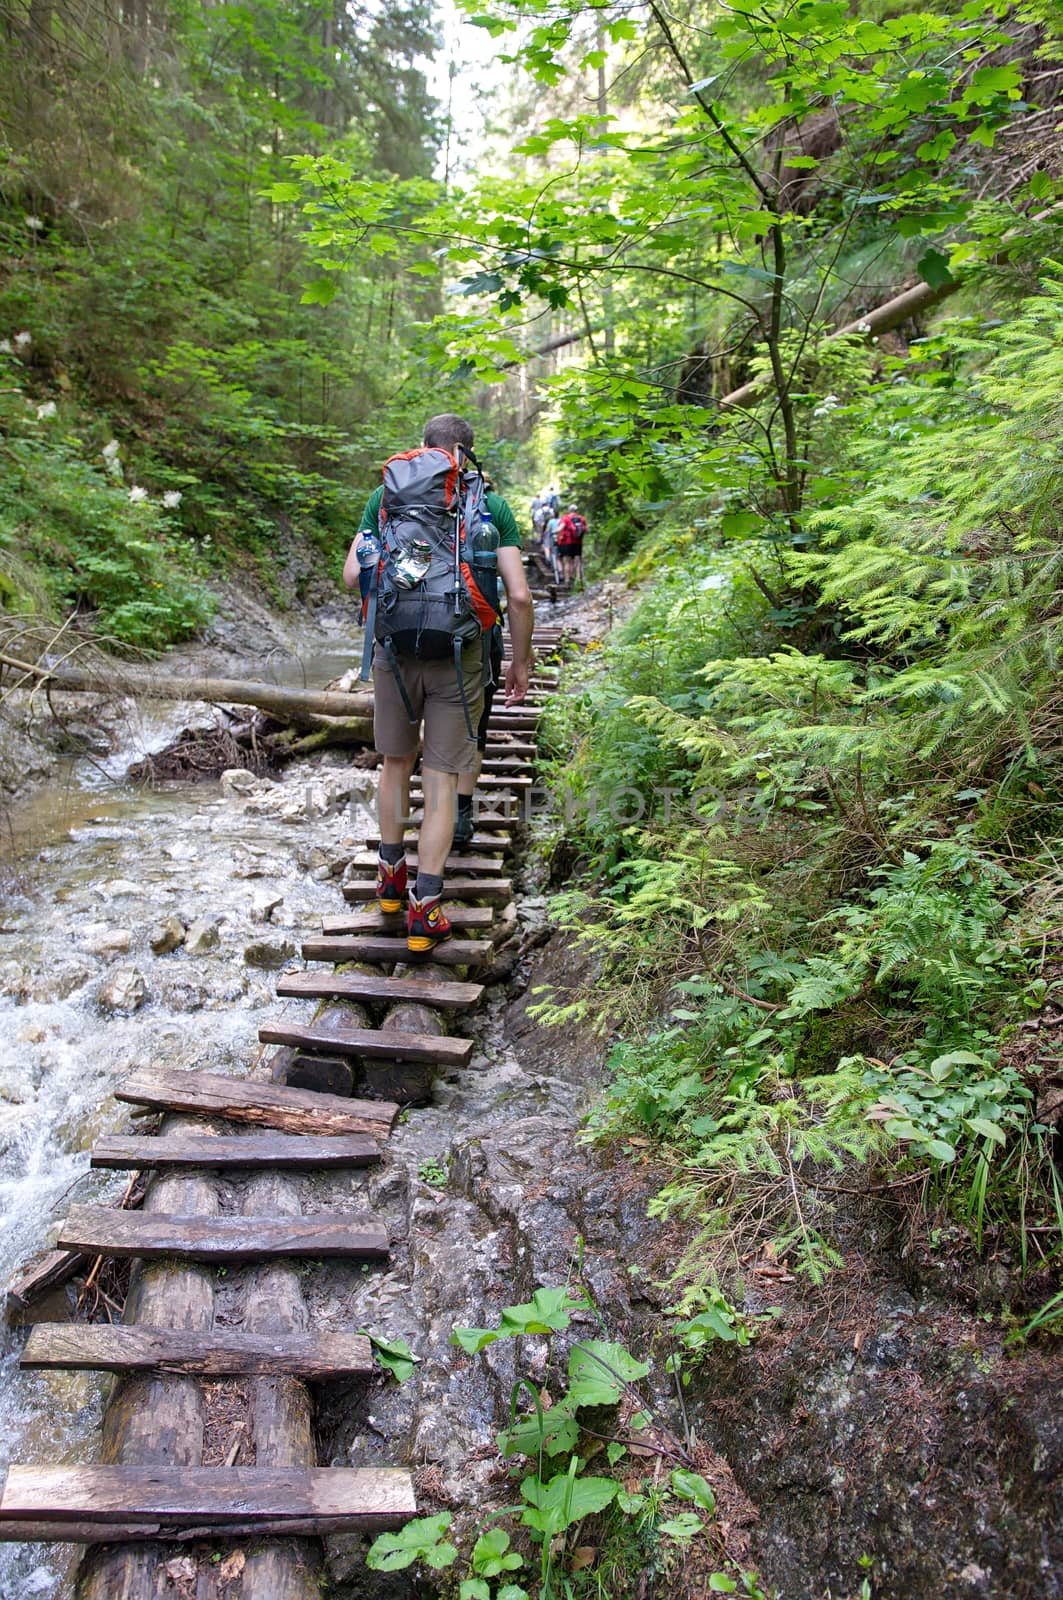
{"x":441,"y":432}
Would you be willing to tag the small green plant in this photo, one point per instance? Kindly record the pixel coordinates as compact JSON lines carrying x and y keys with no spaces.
{"x":420,"y":1540}
{"x":394,"y":1355}
{"x":434,"y":1172}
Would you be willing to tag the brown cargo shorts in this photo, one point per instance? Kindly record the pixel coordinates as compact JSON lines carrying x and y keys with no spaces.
{"x":432,"y":688}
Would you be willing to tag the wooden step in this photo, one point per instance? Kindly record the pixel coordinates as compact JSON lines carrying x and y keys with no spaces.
{"x":499,"y":766}
{"x":377,"y":947}
{"x":370,"y":1044}
{"x":376,"y":921}
{"x":271,"y":1150}
{"x":497,"y":891}
{"x":105,"y":1231}
{"x":519,"y":747}
{"x":498,"y":819}
{"x":479,"y":841}
{"x":269,"y":1105}
{"x":222,"y":1353}
{"x":485,"y":781}
{"x":86,"y":1504}
{"x":353,"y":986}
{"x":366,"y":860}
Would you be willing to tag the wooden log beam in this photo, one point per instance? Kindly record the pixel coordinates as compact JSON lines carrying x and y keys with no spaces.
{"x":368,"y":1044}
{"x":166,"y":1496}
{"x":373,"y":920}
{"x":353,"y":986}
{"x":288,"y":705}
{"x":376,"y":947}
{"x":263,"y":1104}
{"x":307,"y":1151}
{"x":496,"y":891}
{"x":101,"y":1347}
{"x":154,"y":1236}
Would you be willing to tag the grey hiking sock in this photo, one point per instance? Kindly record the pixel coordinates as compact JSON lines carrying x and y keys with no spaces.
{"x":428,"y":887}
{"x":392,"y":853}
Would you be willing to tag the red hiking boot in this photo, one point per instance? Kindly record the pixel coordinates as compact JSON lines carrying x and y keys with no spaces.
{"x":391,"y":884}
{"x":427,"y":924}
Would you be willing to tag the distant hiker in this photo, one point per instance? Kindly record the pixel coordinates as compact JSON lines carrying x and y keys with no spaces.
{"x":553,"y":500}
{"x":550,"y":550}
{"x":573,"y":526}
{"x":540,"y":511}
{"x":431,"y":612}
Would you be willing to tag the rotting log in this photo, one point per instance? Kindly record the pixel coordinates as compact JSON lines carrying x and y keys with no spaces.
{"x":302,"y":707}
{"x":263,"y":1104}
{"x":281,"y":1410}
{"x":147,"y":1236}
{"x":224,"y":1353}
{"x":155,"y":1420}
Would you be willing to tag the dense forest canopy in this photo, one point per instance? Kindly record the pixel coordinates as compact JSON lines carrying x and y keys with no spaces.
{"x":777,"y":288}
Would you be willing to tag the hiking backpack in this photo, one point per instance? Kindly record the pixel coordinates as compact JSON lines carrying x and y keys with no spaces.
{"x":428,"y":497}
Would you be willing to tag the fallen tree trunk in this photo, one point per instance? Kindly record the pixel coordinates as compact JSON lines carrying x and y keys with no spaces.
{"x":301,"y":707}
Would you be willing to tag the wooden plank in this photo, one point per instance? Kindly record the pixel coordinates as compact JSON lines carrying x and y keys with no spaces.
{"x":479,"y":841}
{"x":269,"y":1105}
{"x":353,"y":986}
{"x":377,"y":947}
{"x":149,"y":1235}
{"x":374,"y":920}
{"x":54,"y":1268}
{"x":497,"y":891}
{"x":225,"y":1352}
{"x":504,"y":821}
{"x":272,"y":1150}
{"x":370,"y":1044}
{"x":366,"y":860}
{"x":218,"y":1497}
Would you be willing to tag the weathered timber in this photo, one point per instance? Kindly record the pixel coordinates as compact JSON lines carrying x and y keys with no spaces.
{"x":151,"y":1236}
{"x":354,"y":1497}
{"x":353,"y":986}
{"x":101,"y":1347}
{"x":53,"y":1269}
{"x":154,"y":1419}
{"x":370,"y":1044}
{"x":374,"y":947}
{"x":304,"y":1150}
{"x":376,"y":921}
{"x":502,"y":820}
{"x":365,"y":861}
{"x":288,"y":705}
{"x":498,"y":766}
{"x":485,"y":781}
{"x":281,"y":1410}
{"x":479,"y":841}
{"x":498,"y":891}
{"x":267,"y":1105}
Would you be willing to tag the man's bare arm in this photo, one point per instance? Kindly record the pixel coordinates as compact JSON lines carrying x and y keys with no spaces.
{"x":521,"y":621}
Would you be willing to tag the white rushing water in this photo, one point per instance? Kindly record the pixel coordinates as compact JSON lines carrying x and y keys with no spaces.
{"x":93,"y":867}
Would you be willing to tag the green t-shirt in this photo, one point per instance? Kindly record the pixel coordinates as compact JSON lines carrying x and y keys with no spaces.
{"x":502,"y":515}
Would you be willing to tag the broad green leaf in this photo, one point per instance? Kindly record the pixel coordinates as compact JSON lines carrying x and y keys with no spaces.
{"x":940,"y":1150}
{"x":687,"y":1525}
{"x":420,"y":1540}
{"x":720,"y":1583}
{"x":474,"y":1589}
{"x":321,"y":292}
{"x":563,"y":1501}
{"x":985,"y":1129}
{"x":394,"y":1354}
{"x":599,"y":1371}
{"x":491,"y":1554}
{"x":935,"y":269}
{"x":692,"y":1486}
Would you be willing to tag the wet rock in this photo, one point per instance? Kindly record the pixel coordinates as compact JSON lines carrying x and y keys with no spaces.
{"x":122,"y":888}
{"x":269,"y":953}
{"x":125,"y":990}
{"x":180,"y":850}
{"x":14,"y":980}
{"x":254,"y":864}
{"x":238,"y":781}
{"x":202,"y":936}
{"x":60,"y":981}
{"x":167,"y":936}
{"x":264,"y":903}
{"x":100,"y":939}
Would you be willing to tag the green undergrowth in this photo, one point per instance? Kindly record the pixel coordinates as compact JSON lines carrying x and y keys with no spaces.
{"x":603,"y":1490}
{"x":820,"y":843}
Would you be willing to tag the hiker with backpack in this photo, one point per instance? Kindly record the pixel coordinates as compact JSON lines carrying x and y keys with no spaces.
{"x":435,"y":543}
{"x":570,"y":532}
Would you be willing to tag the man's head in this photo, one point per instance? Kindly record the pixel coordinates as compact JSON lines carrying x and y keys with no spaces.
{"x":448,"y":432}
